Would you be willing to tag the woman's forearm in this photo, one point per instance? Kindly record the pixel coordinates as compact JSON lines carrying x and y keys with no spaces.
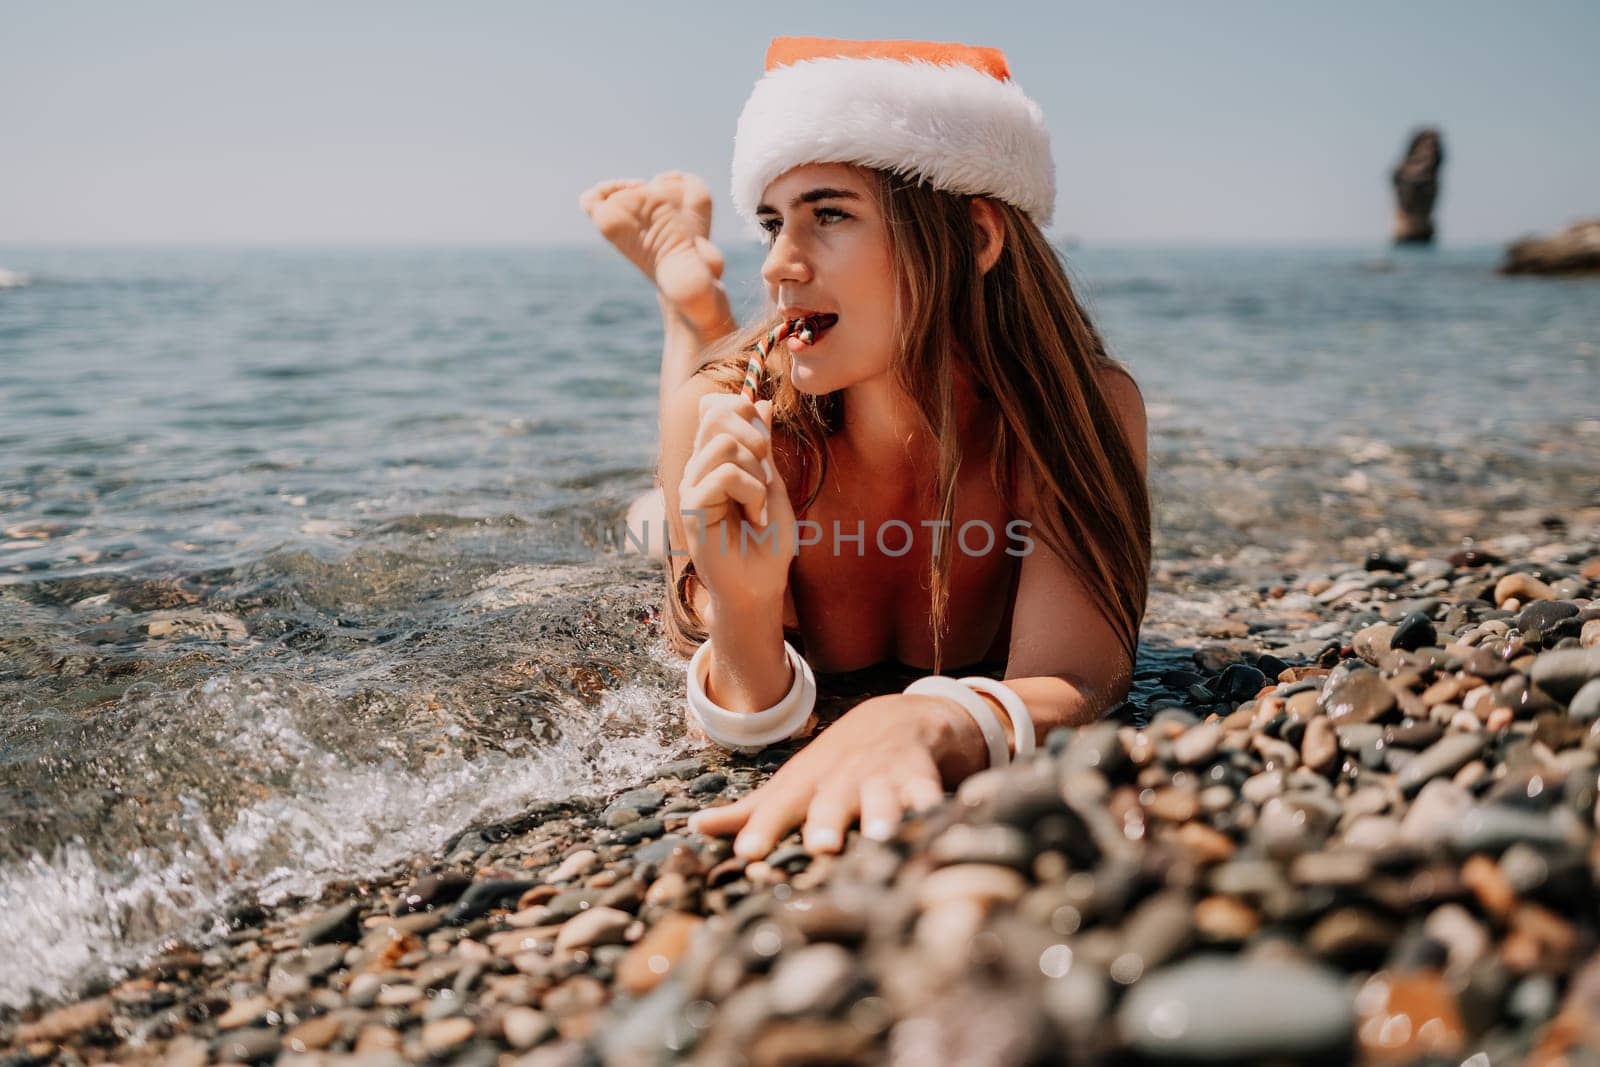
{"x":682,"y":346}
{"x":749,"y":670}
{"x":1052,"y":701}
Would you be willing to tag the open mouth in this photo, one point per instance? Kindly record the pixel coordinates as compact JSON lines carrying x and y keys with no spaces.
{"x":814,"y":326}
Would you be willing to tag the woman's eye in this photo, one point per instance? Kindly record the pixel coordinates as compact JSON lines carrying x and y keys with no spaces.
{"x":824,"y":215}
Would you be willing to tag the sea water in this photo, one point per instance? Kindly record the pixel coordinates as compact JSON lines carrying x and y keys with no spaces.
{"x":308,"y":560}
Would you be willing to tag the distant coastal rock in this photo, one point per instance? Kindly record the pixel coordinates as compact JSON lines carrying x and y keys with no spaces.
{"x":1416,"y":187}
{"x":1574,"y":249}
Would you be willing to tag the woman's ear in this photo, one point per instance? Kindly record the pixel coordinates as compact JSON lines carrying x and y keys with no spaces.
{"x":991,"y":232}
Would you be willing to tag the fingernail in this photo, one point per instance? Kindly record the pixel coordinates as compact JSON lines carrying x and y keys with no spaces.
{"x":878,"y":830}
{"x":766,"y":467}
{"x":693,"y":825}
{"x":761,"y":520}
{"x":824,"y":839}
{"x":755,"y":420}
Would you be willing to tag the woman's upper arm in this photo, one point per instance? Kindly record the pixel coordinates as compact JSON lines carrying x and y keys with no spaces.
{"x":1086,"y":649}
{"x":1127,"y":405}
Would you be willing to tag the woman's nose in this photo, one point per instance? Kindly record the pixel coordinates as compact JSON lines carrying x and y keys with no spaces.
{"x":785,"y":263}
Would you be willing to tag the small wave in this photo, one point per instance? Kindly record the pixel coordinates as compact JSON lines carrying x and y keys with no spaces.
{"x":11,"y":279}
{"x":68,"y":919}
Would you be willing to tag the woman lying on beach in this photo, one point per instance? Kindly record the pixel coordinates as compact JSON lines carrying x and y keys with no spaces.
{"x":968,"y":461}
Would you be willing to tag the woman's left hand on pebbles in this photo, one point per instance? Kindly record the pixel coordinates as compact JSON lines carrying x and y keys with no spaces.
{"x":877,"y":761}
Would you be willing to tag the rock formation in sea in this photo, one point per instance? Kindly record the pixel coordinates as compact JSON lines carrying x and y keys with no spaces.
{"x":1574,"y":249}
{"x":1416,"y":187}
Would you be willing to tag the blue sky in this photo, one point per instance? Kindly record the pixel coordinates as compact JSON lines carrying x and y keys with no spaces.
{"x":481,"y":122}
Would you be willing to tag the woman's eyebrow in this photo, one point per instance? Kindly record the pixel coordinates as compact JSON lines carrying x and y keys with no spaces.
{"x":811,"y":197}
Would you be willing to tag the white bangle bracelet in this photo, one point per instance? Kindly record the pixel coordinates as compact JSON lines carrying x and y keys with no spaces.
{"x":938,"y":685}
{"x":752,"y":731}
{"x":1016,"y":710}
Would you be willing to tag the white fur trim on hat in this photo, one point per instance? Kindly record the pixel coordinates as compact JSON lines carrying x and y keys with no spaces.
{"x":954,"y":126}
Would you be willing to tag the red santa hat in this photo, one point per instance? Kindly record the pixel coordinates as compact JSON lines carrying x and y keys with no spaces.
{"x":947,"y":114}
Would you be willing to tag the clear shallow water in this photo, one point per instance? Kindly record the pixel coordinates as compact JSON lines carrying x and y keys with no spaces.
{"x":302,"y":565}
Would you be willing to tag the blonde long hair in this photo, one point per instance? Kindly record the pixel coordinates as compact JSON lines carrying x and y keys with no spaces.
{"x":1031,"y":351}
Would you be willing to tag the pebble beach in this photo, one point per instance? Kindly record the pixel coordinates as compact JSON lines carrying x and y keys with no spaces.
{"x":335,"y":734}
{"x":1353,"y":820}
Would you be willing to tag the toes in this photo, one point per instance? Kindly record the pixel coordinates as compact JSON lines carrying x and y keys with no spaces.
{"x":593,"y":196}
{"x":669,"y":183}
{"x":697,"y":198}
{"x":712,"y":256}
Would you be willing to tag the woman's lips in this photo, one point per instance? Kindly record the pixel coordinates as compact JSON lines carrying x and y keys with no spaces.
{"x":819,"y":325}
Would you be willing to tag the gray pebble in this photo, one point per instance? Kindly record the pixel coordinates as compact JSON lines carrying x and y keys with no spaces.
{"x":1564,"y":672}
{"x":1585,"y":706}
{"x":335,"y":924}
{"x":1445,"y":756}
{"x":1213,"y":1008}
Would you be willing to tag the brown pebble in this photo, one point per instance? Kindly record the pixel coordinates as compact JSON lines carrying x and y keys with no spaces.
{"x":1522,"y":587}
{"x":244,"y":1012}
{"x":654,"y":956}
{"x":539,"y":894}
{"x":1320,"y":745}
{"x":65,"y":1022}
{"x":442,"y":1035}
{"x":1589,"y":637}
{"x":1350,"y":931}
{"x":1205,"y":843}
{"x":982,"y":883}
{"x":375,"y":1038}
{"x":728,"y":870}
{"x":313,"y":1034}
{"x":1554,"y":935}
{"x":597,"y":926}
{"x":1489,"y":884}
{"x":1405,"y":1018}
{"x":1362,"y":697}
{"x":1303,"y":705}
{"x":1172,"y":804}
{"x":524,"y":1027}
{"x":1221,"y":918}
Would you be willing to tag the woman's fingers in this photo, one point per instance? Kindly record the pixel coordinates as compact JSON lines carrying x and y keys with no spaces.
{"x":723,"y":820}
{"x":732,"y":414}
{"x":830,"y":814}
{"x":730,"y":482}
{"x":772,"y":820}
{"x":724,"y":448}
{"x":922,"y":793}
{"x":880,"y":808}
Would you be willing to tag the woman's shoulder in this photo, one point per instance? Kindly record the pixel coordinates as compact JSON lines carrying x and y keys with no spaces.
{"x":1126,"y":401}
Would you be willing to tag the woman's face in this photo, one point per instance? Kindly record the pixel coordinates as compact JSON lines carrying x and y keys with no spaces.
{"x":828,"y":253}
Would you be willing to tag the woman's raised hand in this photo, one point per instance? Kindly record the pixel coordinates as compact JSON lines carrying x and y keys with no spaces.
{"x":735,"y":507}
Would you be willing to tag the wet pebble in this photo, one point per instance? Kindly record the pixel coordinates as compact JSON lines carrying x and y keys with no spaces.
{"x":1360,"y":698}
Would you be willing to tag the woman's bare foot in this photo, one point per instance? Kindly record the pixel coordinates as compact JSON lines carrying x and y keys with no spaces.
{"x":663,"y":227}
